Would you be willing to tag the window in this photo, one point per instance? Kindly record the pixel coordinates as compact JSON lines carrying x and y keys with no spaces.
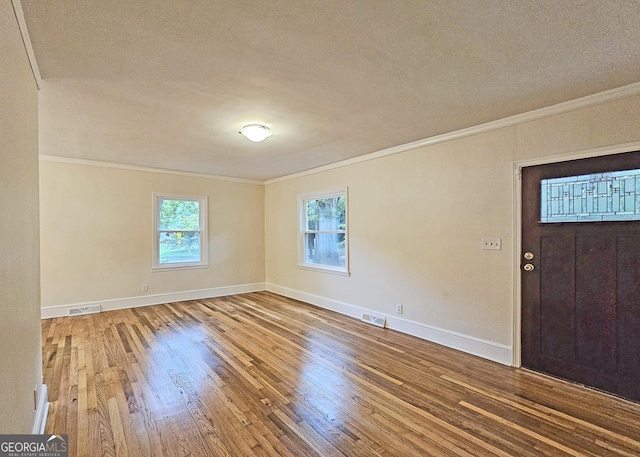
{"x":323,"y":234}
{"x":610,"y":196}
{"x":180,"y":226}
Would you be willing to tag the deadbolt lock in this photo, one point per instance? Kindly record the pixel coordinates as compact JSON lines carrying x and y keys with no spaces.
{"x":528,"y":255}
{"x":528,"y":267}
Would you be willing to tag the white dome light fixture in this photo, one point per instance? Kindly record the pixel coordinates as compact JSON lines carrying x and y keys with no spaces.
{"x":255,"y":132}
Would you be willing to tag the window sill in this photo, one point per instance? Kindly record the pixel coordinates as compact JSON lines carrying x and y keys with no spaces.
{"x":323,"y":269}
{"x":178,"y":267}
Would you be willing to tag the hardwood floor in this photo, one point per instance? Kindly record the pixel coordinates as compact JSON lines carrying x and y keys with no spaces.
{"x":262,"y":375}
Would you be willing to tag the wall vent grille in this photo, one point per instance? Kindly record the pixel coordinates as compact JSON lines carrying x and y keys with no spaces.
{"x":374,"y":320}
{"x":82,"y":310}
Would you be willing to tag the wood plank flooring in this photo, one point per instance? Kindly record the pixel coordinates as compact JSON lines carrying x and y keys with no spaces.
{"x":262,"y":375}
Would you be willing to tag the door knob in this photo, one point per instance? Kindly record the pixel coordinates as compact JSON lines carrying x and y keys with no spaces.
{"x":528,"y":267}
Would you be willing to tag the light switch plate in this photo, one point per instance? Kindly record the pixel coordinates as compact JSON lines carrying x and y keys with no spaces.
{"x":492,"y":243}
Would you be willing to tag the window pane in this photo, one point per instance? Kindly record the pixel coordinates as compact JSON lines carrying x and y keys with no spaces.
{"x":326,"y":214}
{"x":179,"y":247}
{"x":325,"y":249}
{"x":612,"y":196}
{"x":179,"y":215}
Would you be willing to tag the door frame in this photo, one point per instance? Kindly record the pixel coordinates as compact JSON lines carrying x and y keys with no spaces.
{"x":518,"y":165}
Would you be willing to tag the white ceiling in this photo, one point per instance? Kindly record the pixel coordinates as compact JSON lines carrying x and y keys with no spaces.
{"x":168,"y":84}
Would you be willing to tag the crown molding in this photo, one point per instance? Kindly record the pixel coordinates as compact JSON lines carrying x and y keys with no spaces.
{"x":99,"y":164}
{"x":26,"y":40}
{"x":553,"y":110}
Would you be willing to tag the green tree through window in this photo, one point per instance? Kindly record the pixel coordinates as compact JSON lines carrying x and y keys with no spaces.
{"x":324,"y":234}
{"x":180,"y":225}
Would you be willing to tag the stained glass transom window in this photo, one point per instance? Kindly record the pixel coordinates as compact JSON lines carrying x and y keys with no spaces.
{"x":611,"y":196}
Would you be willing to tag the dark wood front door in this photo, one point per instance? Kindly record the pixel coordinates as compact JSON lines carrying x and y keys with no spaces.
{"x":581,"y":288}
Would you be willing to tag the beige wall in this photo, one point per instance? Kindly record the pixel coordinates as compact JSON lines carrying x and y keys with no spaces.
{"x":97,"y":232}
{"x":416,"y":220}
{"x":20,"y":353}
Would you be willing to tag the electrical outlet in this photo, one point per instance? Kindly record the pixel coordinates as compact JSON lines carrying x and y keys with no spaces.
{"x":399,"y":309}
{"x":145,"y":288}
{"x":492,"y":243}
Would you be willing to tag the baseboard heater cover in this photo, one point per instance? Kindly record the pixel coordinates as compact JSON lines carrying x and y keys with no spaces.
{"x":374,"y":320}
{"x":82,"y":310}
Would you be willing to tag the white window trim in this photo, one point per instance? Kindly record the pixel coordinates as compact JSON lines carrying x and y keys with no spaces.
{"x":343,"y":271}
{"x":204,"y":239}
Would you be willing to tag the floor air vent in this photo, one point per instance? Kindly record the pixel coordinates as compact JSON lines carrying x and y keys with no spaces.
{"x":374,"y":320}
{"x":82,"y":310}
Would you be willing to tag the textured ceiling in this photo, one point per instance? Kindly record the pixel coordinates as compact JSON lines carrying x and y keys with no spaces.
{"x":168,"y":84}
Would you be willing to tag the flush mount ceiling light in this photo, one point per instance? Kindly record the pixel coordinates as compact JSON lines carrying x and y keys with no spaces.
{"x":255,"y":132}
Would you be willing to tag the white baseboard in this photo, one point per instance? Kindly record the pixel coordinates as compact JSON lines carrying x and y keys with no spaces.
{"x":42,"y":409}
{"x":157,"y":299}
{"x":483,"y":348}
{"x":476,"y":346}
